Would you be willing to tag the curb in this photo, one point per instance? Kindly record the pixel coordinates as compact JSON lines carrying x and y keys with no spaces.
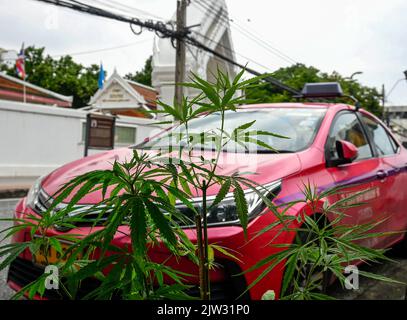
{"x":13,"y":193}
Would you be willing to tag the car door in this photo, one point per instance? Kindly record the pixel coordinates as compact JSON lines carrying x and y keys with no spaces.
{"x":393,"y":181}
{"x":357,"y":175}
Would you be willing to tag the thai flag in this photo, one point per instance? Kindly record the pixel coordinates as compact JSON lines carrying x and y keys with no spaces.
{"x":20,"y":64}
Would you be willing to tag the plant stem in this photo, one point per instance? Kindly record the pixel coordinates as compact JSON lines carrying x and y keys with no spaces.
{"x":198,"y":223}
{"x":205,"y":242}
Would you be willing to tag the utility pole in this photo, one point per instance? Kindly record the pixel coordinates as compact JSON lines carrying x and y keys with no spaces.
{"x":180,"y":50}
{"x":385,"y":115}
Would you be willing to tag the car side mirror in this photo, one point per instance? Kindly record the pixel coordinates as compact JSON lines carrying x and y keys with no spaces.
{"x":347,"y":151}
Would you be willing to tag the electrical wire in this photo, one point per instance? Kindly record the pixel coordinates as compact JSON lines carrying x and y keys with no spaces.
{"x":222,"y":18}
{"x":102,"y":49}
{"x":278,"y":53}
{"x":270,"y":79}
{"x":205,"y":7}
{"x":126,"y":9}
{"x":162,"y":30}
{"x":232,"y":51}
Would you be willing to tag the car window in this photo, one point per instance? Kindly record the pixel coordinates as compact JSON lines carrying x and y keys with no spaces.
{"x":298,"y":125}
{"x":347,"y":127}
{"x":384,"y":143}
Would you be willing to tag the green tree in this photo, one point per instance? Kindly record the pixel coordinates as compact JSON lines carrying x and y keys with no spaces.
{"x":62,"y":75}
{"x":143,"y":76}
{"x":297,"y":75}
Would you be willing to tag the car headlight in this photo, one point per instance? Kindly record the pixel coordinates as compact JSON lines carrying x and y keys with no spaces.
{"x":33,"y":193}
{"x":225,"y":212}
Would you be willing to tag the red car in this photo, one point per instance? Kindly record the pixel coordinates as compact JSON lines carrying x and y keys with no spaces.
{"x":329,"y":145}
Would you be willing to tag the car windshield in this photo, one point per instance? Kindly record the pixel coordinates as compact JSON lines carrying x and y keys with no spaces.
{"x":298,"y":125}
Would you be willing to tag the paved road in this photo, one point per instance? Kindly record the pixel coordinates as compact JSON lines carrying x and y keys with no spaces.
{"x":368,"y":289}
{"x":6,"y":211}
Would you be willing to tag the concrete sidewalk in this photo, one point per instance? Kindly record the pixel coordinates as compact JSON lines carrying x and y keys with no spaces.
{"x":15,"y":187}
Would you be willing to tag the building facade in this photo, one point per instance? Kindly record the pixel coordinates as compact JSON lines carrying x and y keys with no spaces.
{"x":120,"y":96}
{"x":397,"y":120}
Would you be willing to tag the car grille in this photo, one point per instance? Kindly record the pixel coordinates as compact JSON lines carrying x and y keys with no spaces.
{"x":22,"y":272}
{"x":43,"y":202}
{"x":86,"y":215}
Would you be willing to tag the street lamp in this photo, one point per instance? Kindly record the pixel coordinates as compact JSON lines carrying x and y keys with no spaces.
{"x":352,"y":81}
{"x":397,"y":82}
{"x":353,"y":75}
{"x":385,"y":96}
{"x":360,"y":72}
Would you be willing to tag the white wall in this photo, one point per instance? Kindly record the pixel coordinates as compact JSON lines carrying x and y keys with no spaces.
{"x":36,"y":139}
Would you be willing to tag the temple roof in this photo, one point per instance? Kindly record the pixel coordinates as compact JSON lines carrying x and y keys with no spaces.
{"x":12,"y":88}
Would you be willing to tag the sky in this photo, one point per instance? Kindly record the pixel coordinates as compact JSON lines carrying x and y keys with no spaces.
{"x":344,"y":36}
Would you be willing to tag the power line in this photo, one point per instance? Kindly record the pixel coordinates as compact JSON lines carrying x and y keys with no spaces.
{"x":205,"y":7}
{"x":102,"y":49}
{"x":265,"y":42}
{"x":125,"y":8}
{"x":225,"y":22}
{"x":222,"y":19}
{"x":161,"y":29}
{"x":270,"y":79}
{"x":157,"y":26}
{"x":230,"y":50}
{"x":248,"y":34}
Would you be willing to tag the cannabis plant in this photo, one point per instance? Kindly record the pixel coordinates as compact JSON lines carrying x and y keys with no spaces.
{"x":142,"y":197}
{"x":164,"y":187}
{"x":324,"y":245}
{"x":138,"y":206}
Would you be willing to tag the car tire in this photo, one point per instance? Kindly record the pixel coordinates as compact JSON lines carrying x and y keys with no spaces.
{"x":400,"y":248}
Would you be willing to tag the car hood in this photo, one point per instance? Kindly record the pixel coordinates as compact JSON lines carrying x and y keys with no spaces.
{"x":261,"y":168}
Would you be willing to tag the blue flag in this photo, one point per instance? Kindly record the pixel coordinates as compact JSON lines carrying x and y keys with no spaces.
{"x":101,"y":77}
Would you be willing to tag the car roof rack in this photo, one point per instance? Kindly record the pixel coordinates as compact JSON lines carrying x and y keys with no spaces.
{"x":325,"y":90}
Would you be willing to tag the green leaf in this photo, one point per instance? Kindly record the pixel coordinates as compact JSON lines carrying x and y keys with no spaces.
{"x":289,"y":272}
{"x":163,"y":224}
{"x":211,"y":255}
{"x":138,"y":226}
{"x":379,"y":277}
{"x":185,"y":186}
{"x":225,"y":251}
{"x":223,"y":191}
{"x":269,"y":295}
{"x":12,"y":251}
{"x":241,"y":206}
{"x":55,"y":244}
{"x":238,"y":131}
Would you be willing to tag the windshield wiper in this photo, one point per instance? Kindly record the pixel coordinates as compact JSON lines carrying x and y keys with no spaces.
{"x":274,"y":151}
{"x":262,"y":151}
{"x":196,"y":148}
